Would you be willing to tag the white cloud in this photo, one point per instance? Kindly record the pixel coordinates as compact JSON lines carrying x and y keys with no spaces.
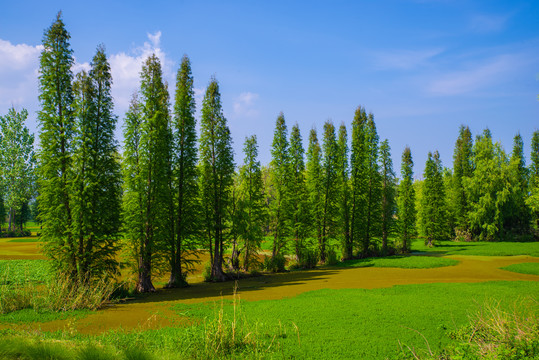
{"x":476,"y":77}
{"x":19,"y":65}
{"x":244,"y":105}
{"x":404,"y":59}
{"x":126,"y":67}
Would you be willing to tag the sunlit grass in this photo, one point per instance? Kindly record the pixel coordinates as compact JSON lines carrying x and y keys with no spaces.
{"x":524,"y":268}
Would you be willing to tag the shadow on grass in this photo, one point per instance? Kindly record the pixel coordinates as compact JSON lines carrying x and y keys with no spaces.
{"x":212,"y":290}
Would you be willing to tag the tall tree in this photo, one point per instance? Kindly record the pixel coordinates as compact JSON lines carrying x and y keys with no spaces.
{"x":217,"y":169}
{"x":406,"y":211}
{"x":147,"y":172}
{"x":463,"y":168}
{"x":518,"y":213}
{"x":373,"y":195}
{"x":488,"y":189}
{"x":299,"y":200}
{"x":279,"y":211}
{"x":185,"y":177}
{"x":330,"y":189}
{"x":17,"y":163}
{"x":56,"y":120}
{"x":314,"y":182}
{"x":358,"y":177}
{"x":533,"y":199}
{"x":388,"y":193}
{"x":252,"y":207}
{"x":96,"y":184}
{"x":343,"y":183}
{"x":433,"y":207}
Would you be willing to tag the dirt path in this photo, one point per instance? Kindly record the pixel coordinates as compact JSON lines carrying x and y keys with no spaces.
{"x":154,"y":311}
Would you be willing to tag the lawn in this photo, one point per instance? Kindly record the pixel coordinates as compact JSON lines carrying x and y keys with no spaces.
{"x":403,"y":262}
{"x":478,"y":248}
{"x":524,"y":268}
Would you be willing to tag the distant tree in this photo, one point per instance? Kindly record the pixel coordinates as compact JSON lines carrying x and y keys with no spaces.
{"x":314,"y":182}
{"x":533,"y":200}
{"x":57,"y":125}
{"x":299,"y":200}
{"x":406,"y":212}
{"x":17,"y":163}
{"x":186,"y":206}
{"x":96,"y":183}
{"x":252,"y":208}
{"x":433,"y":207}
{"x":373,"y":195}
{"x":463,"y":169}
{"x":488,"y":189}
{"x":279,"y":210}
{"x":330,"y":189}
{"x":389,"y":205}
{"x":358,"y":177}
{"x":343,"y":183}
{"x":518,"y":213}
{"x":216,"y":174}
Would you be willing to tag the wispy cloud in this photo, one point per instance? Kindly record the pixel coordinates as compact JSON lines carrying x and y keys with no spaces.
{"x":244,"y":105}
{"x":476,"y":77}
{"x":403,"y":59}
{"x":488,"y":23}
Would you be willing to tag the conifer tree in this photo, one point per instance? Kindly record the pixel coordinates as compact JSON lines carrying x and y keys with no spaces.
{"x":388,"y":193}
{"x":56,"y":121}
{"x":299,"y":200}
{"x":533,"y":200}
{"x":314,"y":182}
{"x":433,"y":208}
{"x":462,"y":171}
{"x":518,"y":213}
{"x":279,"y":207}
{"x":406,"y":211}
{"x":358,"y":177}
{"x":96,"y":184}
{"x":373,"y":194}
{"x":252,"y":207}
{"x":216,"y":174}
{"x":148,"y":127}
{"x":343,"y":183}
{"x":185,"y":178}
{"x":330,"y":189}
{"x":488,"y":189}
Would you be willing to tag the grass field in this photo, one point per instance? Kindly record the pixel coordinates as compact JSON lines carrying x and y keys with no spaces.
{"x":373,"y":308}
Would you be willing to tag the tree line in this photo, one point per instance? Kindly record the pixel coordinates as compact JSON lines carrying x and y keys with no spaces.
{"x":171,"y":194}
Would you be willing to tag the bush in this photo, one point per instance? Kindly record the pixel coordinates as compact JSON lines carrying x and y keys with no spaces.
{"x":275,"y":264}
{"x":16,"y":233}
{"x":207,"y":271}
{"x":309,"y":259}
{"x":331,"y":258}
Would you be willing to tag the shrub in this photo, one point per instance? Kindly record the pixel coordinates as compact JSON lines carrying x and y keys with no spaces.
{"x":331,"y":258}
{"x":309,"y":259}
{"x":207,"y":271}
{"x":275,"y":264}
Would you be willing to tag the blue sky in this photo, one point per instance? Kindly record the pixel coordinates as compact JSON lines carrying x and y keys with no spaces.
{"x":422,"y":67}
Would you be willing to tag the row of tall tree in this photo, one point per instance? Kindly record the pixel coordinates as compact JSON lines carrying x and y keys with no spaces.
{"x":170,"y":195}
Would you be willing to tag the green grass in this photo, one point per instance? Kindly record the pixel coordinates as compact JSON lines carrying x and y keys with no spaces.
{"x":27,"y":239}
{"x":321,"y":324}
{"x":33,"y":316}
{"x":403,"y":262}
{"x":479,"y":248}
{"x":524,"y":268}
{"x":18,"y":272}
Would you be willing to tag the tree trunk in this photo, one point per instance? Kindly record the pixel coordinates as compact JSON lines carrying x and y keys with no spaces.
{"x":10,"y":218}
{"x":144,"y":283}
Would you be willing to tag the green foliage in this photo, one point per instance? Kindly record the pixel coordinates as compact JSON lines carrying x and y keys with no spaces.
{"x":251,"y":204}
{"x":406,"y":211}
{"x":343,"y":184}
{"x":463,"y":169}
{"x":533,"y":200}
{"x":517,"y":213}
{"x":57,"y":131}
{"x":96,"y":184}
{"x":330,"y":190}
{"x":274,"y":263}
{"x":280,"y":177}
{"x":17,"y":164}
{"x":389,"y":205}
{"x":313,"y":178}
{"x":299,"y":196}
{"x":186,"y":204}
{"x":216,"y":171}
{"x":433,"y":207}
